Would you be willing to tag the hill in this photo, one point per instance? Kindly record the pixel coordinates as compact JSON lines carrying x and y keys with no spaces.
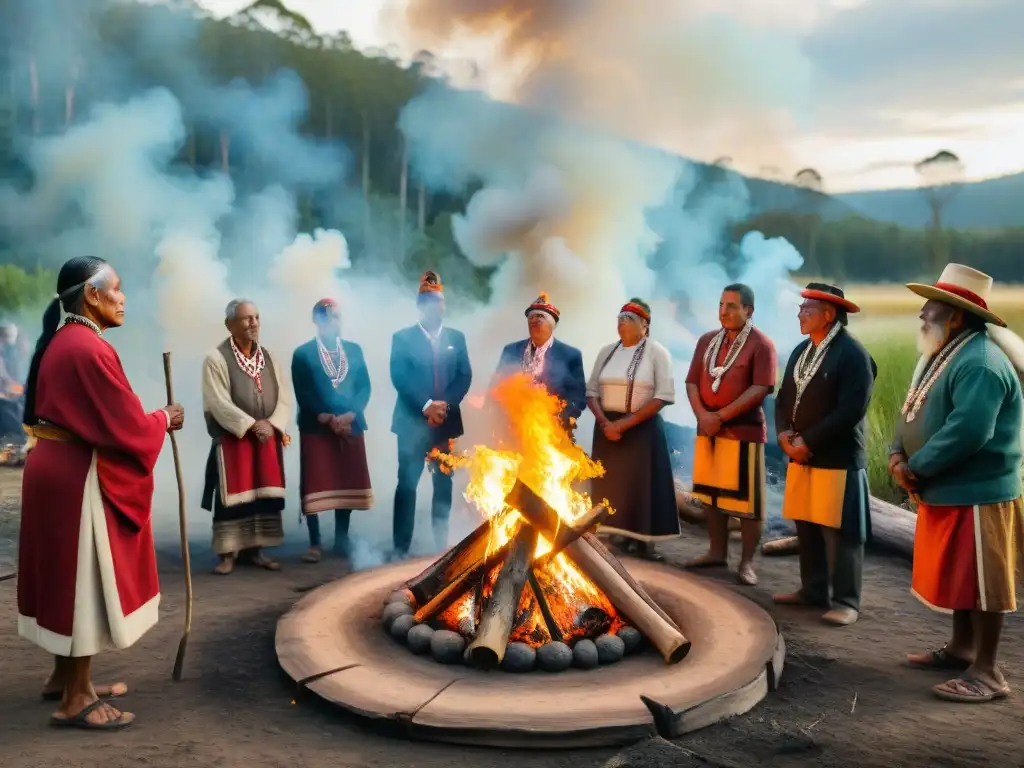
{"x":989,"y":204}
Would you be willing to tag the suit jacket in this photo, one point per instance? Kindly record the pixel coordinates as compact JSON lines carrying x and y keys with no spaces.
{"x":413,"y":376}
{"x":832,"y":418}
{"x":562,"y":374}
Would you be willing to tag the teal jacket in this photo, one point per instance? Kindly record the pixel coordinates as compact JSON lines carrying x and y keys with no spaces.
{"x":964,"y":446}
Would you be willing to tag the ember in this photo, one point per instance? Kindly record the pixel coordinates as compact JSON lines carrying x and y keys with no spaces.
{"x":532,"y":575}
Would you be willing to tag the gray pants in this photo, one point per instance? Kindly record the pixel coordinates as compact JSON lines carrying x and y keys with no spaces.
{"x":828,"y":560}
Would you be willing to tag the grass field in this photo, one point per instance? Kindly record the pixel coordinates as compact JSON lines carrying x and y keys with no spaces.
{"x":887,"y":326}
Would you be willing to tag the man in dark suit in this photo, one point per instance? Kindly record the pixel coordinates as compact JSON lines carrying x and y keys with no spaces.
{"x":557,"y":366}
{"x":431,"y":372}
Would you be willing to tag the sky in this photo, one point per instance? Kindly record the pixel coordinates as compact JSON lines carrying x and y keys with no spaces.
{"x":889,"y":82}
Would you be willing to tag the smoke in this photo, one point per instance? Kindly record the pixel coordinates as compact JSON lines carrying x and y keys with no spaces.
{"x":574,"y":201}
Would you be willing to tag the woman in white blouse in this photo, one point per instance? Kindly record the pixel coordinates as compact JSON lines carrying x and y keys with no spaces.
{"x":631,"y":382}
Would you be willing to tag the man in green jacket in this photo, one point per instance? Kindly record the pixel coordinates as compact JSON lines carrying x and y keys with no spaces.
{"x":958,"y":452}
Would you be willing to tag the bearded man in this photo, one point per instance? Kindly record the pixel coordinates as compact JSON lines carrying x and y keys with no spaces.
{"x":731,"y":372}
{"x":247,"y":402}
{"x":958,"y":452}
{"x":551,"y":363}
{"x":820,"y":416}
{"x":430,"y":371}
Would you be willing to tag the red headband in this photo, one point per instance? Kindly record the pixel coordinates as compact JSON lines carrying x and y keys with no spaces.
{"x":636,"y":309}
{"x":542,"y":304}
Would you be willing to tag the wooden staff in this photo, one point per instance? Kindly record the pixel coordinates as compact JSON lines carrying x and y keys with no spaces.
{"x":179,"y":661}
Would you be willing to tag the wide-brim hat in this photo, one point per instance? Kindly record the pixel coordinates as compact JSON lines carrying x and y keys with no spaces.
{"x":964,"y":288}
{"x":832,"y":294}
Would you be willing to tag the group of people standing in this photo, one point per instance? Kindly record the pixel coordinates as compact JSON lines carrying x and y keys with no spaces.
{"x":87,"y":568}
{"x":957,"y":453}
{"x":248,"y":405}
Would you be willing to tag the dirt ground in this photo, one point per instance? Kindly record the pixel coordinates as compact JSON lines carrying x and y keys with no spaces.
{"x":844,"y":698}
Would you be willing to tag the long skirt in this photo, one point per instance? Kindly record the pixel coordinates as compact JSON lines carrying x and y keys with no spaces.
{"x":250,"y":525}
{"x":965,"y":557}
{"x":335,"y":474}
{"x":637,"y":482}
{"x":729,"y":476}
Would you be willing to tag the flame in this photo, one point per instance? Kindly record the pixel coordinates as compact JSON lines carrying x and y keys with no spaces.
{"x":535,"y":448}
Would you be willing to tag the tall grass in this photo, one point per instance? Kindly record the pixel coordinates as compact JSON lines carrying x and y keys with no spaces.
{"x":895,"y":357}
{"x":887,"y":326}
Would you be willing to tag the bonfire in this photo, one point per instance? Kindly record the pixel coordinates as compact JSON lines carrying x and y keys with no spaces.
{"x":533,"y":573}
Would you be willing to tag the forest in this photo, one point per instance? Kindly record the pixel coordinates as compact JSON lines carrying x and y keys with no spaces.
{"x":355,"y":98}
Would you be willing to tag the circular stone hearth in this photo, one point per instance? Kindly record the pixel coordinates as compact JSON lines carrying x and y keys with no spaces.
{"x":331,"y":643}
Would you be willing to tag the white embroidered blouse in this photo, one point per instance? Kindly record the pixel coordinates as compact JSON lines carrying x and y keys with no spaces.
{"x":652,"y":380}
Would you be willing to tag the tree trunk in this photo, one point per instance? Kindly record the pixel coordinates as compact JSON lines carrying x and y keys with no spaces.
{"x":421,"y":214}
{"x":225,"y":152}
{"x":33,"y":74}
{"x":191,"y":147}
{"x":403,"y":199}
{"x":366,"y":179}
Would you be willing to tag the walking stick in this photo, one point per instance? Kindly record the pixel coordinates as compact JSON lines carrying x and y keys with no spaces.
{"x":179,"y":661}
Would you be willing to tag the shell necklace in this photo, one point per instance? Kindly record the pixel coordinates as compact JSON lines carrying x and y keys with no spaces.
{"x":71,"y":317}
{"x":711,"y":354}
{"x":921,"y":386}
{"x":251,"y":366}
{"x":809,"y":362}
{"x":336,"y":373}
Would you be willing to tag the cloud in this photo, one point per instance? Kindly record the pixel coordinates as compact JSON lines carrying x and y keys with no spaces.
{"x":932,"y":56}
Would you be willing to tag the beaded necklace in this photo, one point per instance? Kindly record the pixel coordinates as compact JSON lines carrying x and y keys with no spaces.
{"x":920,"y":387}
{"x":336,"y":373}
{"x":71,"y":317}
{"x":634,"y":363}
{"x":809,"y":362}
{"x":711,"y":354}
{"x":251,"y":366}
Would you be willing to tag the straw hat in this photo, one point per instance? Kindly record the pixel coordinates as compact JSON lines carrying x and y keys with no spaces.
{"x":964,"y":288}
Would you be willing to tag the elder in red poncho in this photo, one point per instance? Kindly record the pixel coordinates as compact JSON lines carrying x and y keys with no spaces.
{"x":87,"y":578}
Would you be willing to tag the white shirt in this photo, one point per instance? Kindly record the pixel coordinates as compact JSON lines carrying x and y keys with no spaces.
{"x":653,"y":379}
{"x":434,"y":339}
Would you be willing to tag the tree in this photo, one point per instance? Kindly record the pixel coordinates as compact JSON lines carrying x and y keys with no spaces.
{"x":940,"y":176}
{"x":811,"y":198}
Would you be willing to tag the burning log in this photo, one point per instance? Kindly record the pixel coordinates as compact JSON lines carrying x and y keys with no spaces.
{"x":455,"y":589}
{"x":454,"y":563}
{"x":627,"y":597}
{"x":488,"y":648}
{"x":608,"y":574}
{"x":569,"y":533}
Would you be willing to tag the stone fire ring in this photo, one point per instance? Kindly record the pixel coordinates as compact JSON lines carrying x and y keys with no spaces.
{"x":332,"y":644}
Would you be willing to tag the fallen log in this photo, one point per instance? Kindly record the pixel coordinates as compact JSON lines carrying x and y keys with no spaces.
{"x":499,"y":612}
{"x":892,"y":527}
